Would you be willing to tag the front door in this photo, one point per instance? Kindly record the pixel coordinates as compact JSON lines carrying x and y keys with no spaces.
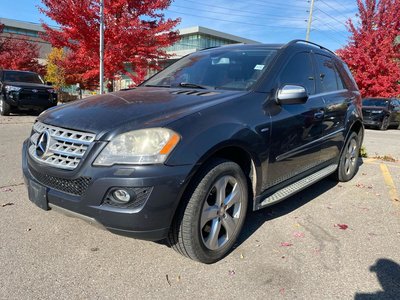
{"x":296,"y":128}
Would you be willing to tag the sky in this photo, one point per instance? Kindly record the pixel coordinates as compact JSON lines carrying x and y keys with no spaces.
{"x":266,"y":21}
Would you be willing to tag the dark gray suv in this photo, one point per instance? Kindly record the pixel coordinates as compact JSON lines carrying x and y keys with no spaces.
{"x":185,"y":155}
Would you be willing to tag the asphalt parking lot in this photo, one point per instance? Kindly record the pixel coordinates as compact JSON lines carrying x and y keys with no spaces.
{"x":331,"y":241}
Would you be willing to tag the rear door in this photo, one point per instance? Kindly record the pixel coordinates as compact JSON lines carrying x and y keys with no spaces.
{"x":296,"y":128}
{"x":337,"y":97}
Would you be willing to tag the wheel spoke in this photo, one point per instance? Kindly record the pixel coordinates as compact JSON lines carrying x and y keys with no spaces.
{"x":220,"y":186}
{"x":230,"y":225}
{"x":208,"y":213}
{"x":212,"y":240}
{"x":233,"y":197}
{"x":347,"y":165}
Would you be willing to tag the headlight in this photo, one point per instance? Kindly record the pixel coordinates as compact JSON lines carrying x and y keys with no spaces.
{"x":144,"y":146}
{"x":377,"y":111}
{"x":10,"y":88}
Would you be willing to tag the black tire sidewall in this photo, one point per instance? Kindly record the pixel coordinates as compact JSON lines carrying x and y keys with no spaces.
{"x":342,"y":176}
{"x":6,"y":107}
{"x":198,"y":199}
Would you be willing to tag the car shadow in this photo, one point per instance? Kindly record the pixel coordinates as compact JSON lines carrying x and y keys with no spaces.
{"x":255,"y":220}
{"x":388,"y":274}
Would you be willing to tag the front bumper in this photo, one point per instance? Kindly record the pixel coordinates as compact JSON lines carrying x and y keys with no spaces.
{"x":26,"y":100}
{"x":149,"y":220}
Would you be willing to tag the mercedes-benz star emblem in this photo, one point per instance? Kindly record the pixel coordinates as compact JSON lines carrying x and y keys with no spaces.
{"x":43,"y":144}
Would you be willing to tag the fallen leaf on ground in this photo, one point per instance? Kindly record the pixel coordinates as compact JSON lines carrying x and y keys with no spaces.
{"x":28,"y":229}
{"x":231,"y":272}
{"x":169,"y":282}
{"x":282,"y":291}
{"x":241,"y":255}
{"x":286,"y":244}
{"x":297,"y":225}
{"x":341,"y":226}
{"x":395,"y":199}
{"x":178,"y":278}
{"x":7,"y":204}
{"x":94,"y":249}
{"x":298,"y":234}
{"x":5,"y":190}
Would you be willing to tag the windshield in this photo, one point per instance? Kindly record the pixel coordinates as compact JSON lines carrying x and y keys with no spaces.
{"x":16,"y":76}
{"x":376,"y":102}
{"x":230,"y":69}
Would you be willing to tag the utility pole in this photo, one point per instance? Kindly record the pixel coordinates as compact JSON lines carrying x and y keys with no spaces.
{"x":309,"y":21}
{"x":101,"y":46}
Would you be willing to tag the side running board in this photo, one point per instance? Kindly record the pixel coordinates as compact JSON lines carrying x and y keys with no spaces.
{"x":297,"y":186}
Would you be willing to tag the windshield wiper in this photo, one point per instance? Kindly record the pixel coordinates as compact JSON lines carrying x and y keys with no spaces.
{"x":157,"y":85}
{"x":193,"y":85}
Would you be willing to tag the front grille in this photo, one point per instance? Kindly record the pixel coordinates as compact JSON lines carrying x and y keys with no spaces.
{"x":59,"y":147}
{"x":76,"y":186}
{"x":28,"y":94}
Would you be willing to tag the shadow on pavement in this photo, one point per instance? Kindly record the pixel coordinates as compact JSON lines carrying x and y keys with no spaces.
{"x":388,"y":273}
{"x":255,"y":220}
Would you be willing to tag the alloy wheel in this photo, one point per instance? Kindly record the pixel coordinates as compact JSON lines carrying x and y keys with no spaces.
{"x":221,"y":212}
{"x":351,"y":157}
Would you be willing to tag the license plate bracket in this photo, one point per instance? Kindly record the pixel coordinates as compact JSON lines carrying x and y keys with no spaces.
{"x":38,"y":194}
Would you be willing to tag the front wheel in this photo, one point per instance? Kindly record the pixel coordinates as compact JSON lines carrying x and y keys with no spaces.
{"x":348,"y":162}
{"x":5,"y":108}
{"x":212,"y":213}
{"x":385,"y":123}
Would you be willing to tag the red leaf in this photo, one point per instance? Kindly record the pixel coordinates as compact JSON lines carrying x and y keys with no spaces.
{"x":286,"y":244}
{"x":342,"y":226}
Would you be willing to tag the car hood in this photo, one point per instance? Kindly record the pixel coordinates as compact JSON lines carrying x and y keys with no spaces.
{"x":27,"y":85}
{"x":132,"y":109}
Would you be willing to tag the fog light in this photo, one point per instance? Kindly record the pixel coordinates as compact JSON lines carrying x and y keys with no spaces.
{"x":121,"y":196}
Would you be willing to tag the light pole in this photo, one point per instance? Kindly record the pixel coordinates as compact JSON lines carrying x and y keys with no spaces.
{"x":101,"y":46}
{"x":309,"y":21}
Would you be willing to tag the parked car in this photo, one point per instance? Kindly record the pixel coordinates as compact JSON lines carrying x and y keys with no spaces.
{"x":22,"y":90}
{"x":187,"y":153}
{"x":382,"y":113}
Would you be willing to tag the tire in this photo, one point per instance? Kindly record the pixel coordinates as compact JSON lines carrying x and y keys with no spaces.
{"x":385,"y":123}
{"x":348,"y":162}
{"x":5,"y":108}
{"x":208,"y":222}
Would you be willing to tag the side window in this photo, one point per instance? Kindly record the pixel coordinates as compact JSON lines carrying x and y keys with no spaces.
{"x":327,"y":74}
{"x":299,"y":71}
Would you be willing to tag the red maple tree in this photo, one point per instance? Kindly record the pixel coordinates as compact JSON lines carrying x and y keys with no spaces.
{"x":136,"y":34}
{"x":18,"y":53}
{"x":373,"y":51}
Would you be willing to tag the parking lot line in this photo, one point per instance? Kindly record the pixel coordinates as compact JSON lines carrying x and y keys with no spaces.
{"x":390,"y":184}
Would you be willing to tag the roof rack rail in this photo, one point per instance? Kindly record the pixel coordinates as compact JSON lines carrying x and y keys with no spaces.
{"x":308,"y":42}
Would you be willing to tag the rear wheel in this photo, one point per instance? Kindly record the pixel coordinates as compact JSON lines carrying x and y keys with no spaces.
{"x":5,"y":108}
{"x":212,"y":215}
{"x":385,"y":123}
{"x":348,"y":162}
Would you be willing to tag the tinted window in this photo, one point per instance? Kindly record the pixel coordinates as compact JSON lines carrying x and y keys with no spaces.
{"x":236,"y":69}
{"x":299,"y":71}
{"x":327,"y":74}
{"x":17,"y":76}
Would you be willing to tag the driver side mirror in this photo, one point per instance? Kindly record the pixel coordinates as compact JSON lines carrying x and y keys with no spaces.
{"x":292,"y":94}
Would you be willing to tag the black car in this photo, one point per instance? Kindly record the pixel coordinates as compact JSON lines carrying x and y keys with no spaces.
{"x":382,"y":113}
{"x":187,"y":153}
{"x":22,"y":90}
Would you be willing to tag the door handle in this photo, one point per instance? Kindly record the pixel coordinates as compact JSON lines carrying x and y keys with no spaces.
{"x":319,"y":115}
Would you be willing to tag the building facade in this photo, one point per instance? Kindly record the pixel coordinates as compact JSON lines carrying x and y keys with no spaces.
{"x":26,"y":30}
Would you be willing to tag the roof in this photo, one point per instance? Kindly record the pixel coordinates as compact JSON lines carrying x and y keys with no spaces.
{"x":212,"y":32}
{"x":23,"y":25}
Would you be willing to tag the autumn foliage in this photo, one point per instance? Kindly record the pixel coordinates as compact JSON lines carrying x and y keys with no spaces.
{"x":18,"y":53}
{"x":135,"y":34}
{"x":54,"y":71}
{"x":373,"y":53}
